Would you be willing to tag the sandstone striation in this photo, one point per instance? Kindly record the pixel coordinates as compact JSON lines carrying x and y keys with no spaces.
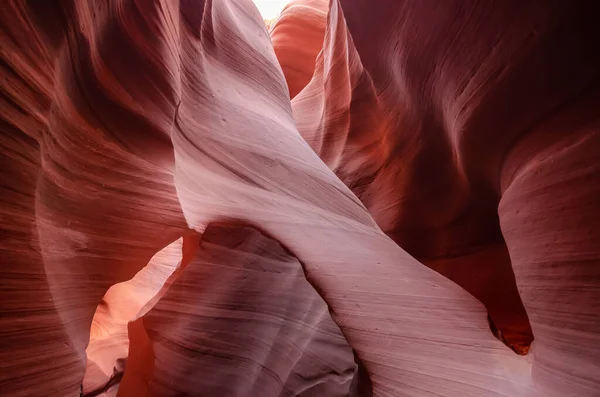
{"x":173,"y":224}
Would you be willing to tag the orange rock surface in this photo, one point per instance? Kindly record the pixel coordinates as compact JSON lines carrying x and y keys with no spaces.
{"x":297,"y":37}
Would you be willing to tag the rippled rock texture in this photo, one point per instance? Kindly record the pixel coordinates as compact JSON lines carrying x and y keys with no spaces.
{"x":424,"y":206}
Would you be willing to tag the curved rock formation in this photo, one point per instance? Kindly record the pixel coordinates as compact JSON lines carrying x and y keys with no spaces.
{"x":121,"y":304}
{"x":297,"y":37}
{"x":462,"y":134}
{"x":423,"y":134}
{"x":367,"y":142}
{"x":255,"y":325}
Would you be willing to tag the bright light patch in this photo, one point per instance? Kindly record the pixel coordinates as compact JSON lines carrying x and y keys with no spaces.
{"x":270,"y":8}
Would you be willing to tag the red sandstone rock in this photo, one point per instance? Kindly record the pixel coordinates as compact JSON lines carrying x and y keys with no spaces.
{"x":443,"y":112}
{"x":242,"y":320}
{"x":297,"y":37}
{"x":464,"y":134}
{"x":121,"y":304}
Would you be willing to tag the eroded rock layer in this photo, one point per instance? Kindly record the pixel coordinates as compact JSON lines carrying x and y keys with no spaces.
{"x":297,"y":37}
{"x":255,"y":325}
{"x":457,"y":136}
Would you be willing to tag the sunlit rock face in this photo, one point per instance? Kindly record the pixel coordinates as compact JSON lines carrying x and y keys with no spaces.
{"x":297,"y":37}
{"x":122,"y":303}
{"x":175,"y":225}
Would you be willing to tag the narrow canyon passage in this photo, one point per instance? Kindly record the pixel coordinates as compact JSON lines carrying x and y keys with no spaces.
{"x":339,"y":198}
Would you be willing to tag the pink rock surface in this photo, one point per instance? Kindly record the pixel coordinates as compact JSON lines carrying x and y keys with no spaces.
{"x":254,"y":324}
{"x":458,"y":136}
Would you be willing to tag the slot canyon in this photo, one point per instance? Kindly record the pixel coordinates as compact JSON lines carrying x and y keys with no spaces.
{"x":343,"y":198}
